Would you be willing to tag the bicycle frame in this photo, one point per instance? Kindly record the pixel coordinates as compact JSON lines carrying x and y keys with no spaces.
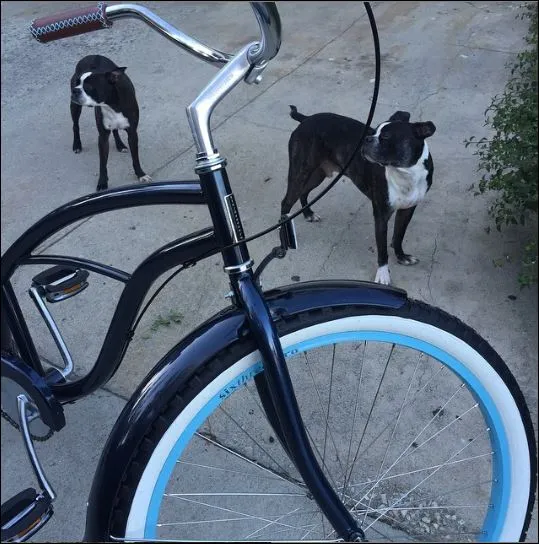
{"x":179,"y":252}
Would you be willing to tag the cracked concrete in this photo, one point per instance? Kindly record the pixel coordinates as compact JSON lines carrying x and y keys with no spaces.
{"x":325,"y":64}
{"x":432,"y":299}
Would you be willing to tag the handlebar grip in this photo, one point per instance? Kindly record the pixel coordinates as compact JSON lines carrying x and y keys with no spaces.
{"x":70,"y":23}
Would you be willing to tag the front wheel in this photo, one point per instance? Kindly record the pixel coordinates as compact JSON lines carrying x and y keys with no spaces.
{"x":416,"y":421}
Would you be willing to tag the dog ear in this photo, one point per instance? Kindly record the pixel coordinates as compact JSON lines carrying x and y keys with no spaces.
{"x":403,"y":116}
{"x":114,"y":76}
{"x":424,"y":130}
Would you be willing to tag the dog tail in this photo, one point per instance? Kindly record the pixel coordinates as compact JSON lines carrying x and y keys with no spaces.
{"x":294,"y":113}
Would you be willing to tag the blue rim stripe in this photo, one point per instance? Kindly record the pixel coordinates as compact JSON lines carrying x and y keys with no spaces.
{"x":501,"y":484}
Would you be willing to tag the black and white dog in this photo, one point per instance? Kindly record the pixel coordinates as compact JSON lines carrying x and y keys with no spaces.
{"x":394,"y":170}
{"x":99,"y":83}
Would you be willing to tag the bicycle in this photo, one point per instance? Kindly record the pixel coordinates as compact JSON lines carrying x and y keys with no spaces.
{"x":310,"y":470}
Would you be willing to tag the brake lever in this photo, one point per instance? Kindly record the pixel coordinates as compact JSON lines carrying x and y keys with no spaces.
{"x":255,"y":74}
{"x":288,"y":238}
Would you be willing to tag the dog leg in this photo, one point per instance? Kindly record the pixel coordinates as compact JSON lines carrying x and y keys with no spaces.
{"x":298,"y":188}
{"x":316,"y":178}
{"x":293,"y":193}
{"x":380,"y":230}
{"x":307,"y":212}
{"x":120,"y":146}
{"x":132,"y":139}
{"x":402,"y":219}
{"x":75,"y":116}
{"x":103,"y":144}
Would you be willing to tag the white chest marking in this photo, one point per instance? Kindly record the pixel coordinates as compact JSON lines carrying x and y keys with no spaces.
{"x":113,"y":120}
{"x":407,"y":186}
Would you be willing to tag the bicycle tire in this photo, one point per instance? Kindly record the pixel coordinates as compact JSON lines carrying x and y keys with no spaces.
{"x":223,"y":385}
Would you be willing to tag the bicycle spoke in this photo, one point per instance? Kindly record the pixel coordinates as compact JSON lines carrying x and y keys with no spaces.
{"x":399,"y":414}
{"x":211,"y":467}
{"x":369,"y":513}
{"x":200,"y":522}
{"x":384,"y":535}
{"x":371,"y":409}
{"x":329,"y":400}
{"x":410,"y":445}
{"x":321,"y":404}
{"x":413,"y":400}
{"x":394,"y":428}
{"x":303,"y":527}
{"x":234,"y":494}
{"x":429,"y":476}
{"x":475,"y":485}
{"x":458,"y":418}
{"x":299,"y":484}
{"x":244,"y":515}
{"x":406,"y":508}
{"x":308,"y":532}
{"x":409,"y":472}
{"x":270,"y":523}
{"x":347,"y":478}
{"x":321,"y":458}
{"x":251,"y":438}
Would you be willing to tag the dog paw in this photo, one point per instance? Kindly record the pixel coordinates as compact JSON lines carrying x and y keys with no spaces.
{"x":77,"y":148}
{"x":382,"y":275}
{"x":101,"y":187}
{"x":145,"y":179}
{"x":123,"y":149}
{"x":407,"y":260}
{"x":313,"y":218}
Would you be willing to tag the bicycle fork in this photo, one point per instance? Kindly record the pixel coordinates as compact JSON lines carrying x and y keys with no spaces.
{"x":280,"y":405}
{"x":283,"y":411}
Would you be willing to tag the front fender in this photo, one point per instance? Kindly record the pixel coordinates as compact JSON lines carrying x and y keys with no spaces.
{"x":219,"y":332}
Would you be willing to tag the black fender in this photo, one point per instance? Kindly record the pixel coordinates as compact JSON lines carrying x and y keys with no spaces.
{"x":219,"y":332}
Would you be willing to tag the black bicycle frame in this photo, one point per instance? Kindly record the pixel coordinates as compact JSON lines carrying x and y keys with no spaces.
{"x":214,"y":191}
{"x":180,"y":252}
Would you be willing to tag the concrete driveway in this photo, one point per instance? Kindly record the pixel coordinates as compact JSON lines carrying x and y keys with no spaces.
{"x":441,"y":61}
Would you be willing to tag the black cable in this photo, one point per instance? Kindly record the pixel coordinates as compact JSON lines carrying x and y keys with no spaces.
{"x":374,"y":99}
{"x":157,"y":291}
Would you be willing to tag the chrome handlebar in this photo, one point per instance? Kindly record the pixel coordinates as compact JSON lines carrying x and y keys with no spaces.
{"x":269,"y":23}
{"x":266,"y":15}
{"x":247,"y":65}
{"x":176,"y":36}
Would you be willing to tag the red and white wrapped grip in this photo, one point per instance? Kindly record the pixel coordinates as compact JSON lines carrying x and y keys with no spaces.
{"x":70,"y":23}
